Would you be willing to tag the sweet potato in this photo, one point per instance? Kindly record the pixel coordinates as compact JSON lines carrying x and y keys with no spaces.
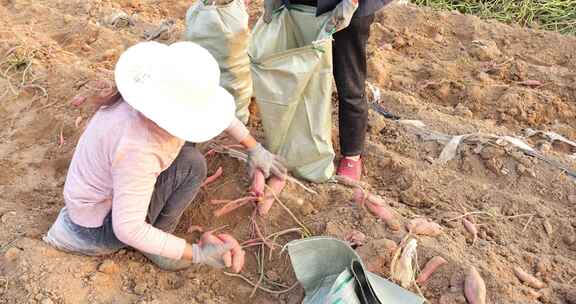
{"x":528,"y":279}
{"x":210,"y":179}
{"x":474,"y":287}
{"x":429,"y":269}
{"x":238,"y":254}
{"x":277,"y":185}
{"x":422,"y":226}
{"x":238,"y":261}
{"x":355,"y":238}
{"x":233,"y":205}
{"x":415,"y":222}
{"x":378,"y":207}
{"x":389,"y":246}
{"x":209,"y":238}
{"x":257,"y":186}
{"x":78,"y":100}
{"x":471,"y":228}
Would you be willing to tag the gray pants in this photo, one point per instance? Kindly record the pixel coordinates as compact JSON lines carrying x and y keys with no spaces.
{"x":174,"y":191}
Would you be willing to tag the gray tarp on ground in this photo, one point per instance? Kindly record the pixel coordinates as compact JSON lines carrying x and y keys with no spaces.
{"x":292,"y":71}
{"x":223,"y":30}
{"x":321,"y":265}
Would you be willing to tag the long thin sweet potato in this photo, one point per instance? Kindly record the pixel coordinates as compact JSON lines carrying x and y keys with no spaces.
{"x":257,"y":186}
{"x":233,"y":205}
{"x":210,"y":179}
{"x":528,"y":279}
{"x":78,"y":100}
{"x":276,"y":185}
{"x":378,"y":207}
{"x":471,"y":228}
{"x":474,"y":287}
{"x":430,"y":268}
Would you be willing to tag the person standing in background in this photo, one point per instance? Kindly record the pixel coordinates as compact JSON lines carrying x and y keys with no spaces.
{"x":350,"y":69}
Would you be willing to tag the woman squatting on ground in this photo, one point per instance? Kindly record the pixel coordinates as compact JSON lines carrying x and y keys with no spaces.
{"x":135,"y":169}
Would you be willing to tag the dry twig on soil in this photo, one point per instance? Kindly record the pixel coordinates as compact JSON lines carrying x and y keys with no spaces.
{"x":527,"y":223}
{"x":305,"y":229}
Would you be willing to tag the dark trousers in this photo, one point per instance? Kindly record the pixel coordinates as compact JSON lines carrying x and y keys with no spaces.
{"x":349,"y":60}
{"x":176,"y":188}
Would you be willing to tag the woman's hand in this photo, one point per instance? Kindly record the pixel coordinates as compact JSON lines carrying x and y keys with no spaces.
{"x":269,"y":7}
{"x":99,"y":93}
{"x":264,"y":160}
{"x":218,"y":251}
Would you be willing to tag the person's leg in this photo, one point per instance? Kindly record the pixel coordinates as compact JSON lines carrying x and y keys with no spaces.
{"x":175,"y":190}
{"x":350,"y":68}
{"x":68,"y":236}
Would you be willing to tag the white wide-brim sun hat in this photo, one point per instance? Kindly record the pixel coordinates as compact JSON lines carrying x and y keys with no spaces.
{"x":177,"y":87}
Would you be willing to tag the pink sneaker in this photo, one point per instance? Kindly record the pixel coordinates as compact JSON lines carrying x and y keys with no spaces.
{"x":350,"y":168}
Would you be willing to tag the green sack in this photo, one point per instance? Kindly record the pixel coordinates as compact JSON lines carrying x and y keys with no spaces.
{"x":222,"y":28}
{"x":292,"y":70}
{"x":323,"y":266}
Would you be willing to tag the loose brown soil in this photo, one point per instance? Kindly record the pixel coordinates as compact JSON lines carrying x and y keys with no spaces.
{"x":455,"y":73}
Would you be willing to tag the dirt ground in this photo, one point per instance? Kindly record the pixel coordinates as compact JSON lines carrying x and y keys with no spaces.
{"x":455,"y":73}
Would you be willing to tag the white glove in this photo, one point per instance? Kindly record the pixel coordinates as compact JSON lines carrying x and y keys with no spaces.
{"x":260,"y":158}
{"x":210,"y":254}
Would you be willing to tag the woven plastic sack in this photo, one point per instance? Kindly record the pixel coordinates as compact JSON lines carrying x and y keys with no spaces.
{"x":322,"y":266}
{"x":222,"y":28}
{"x":292,"y":70}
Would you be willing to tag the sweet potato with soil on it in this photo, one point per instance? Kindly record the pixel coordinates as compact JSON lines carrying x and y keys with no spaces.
{"x":386,"y":245}
{"x":474,"y":287}
{"x":355,"y":238}
{"x":210,"y":179}
{"x":78,"y":101}
{"x":471,"y":228}
{"x":528,"y":279}
{"x":257,"y":186}
{"x":238,"y":255}
{"x":430,"y":268}
{"x":421,"y":226}
{"x":378,"y":207}
{"x":276,"y":185}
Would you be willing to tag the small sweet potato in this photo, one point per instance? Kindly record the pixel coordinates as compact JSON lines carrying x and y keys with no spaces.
{"x":528,"y":279}
{"x":430,"y":268}
{"x":471,"y":228}
{"x":355,"y":238}
{"x":378,"y":207}
{"x":78,"y":100}
{"x":474,"y":287}
{"x":422,"y":226}
{"x":210,"y":179}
